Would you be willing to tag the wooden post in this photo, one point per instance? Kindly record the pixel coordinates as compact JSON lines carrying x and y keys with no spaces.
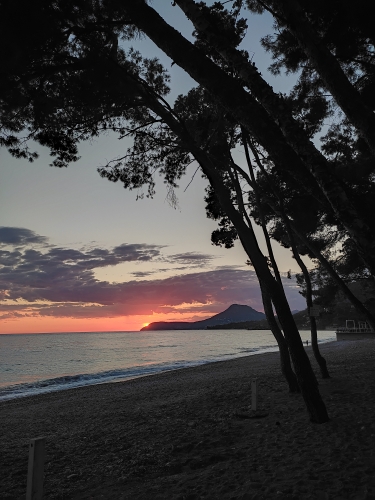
{"x":254,"y":394}
{"x":35,"y":474}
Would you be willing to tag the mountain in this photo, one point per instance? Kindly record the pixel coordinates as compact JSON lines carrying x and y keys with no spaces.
{"x":301,"y":319}
{"x":335,"y":312}
{"x":328,"y":319}
{"x":234,"y":314}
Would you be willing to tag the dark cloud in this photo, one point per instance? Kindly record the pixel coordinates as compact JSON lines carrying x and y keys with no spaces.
{"x":60,"y":282}
{"x":143,"y":252}
{"x":19,"y":236}
{"x":63,"y":274}
{"x":203,"y":292}
{"x":142,"y":274}
{"x":191,"y":258}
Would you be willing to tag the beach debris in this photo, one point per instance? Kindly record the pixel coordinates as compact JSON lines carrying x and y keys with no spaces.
{"x":35,"y":474}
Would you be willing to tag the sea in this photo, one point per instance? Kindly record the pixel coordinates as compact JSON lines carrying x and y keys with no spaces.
{"x":32,"y":364}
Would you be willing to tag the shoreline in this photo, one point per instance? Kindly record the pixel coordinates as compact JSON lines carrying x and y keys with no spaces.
{"x":189,"y":364}
{"x":21,"y":389}
{"x":186,"y":433}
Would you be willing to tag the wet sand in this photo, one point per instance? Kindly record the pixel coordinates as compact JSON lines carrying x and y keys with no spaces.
{"x":187,"y":435}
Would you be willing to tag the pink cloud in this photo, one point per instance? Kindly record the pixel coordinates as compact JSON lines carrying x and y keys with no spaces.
{"x":203,"y":291}
{"x":60,"y":283}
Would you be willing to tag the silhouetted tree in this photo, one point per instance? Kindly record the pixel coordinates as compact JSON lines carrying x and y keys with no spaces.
{"x":314,"y":234}
{"x":77,"y":81}
{"x":279,"y":110}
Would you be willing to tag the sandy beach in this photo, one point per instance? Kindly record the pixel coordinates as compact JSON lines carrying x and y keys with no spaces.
{"x":187,"y":435}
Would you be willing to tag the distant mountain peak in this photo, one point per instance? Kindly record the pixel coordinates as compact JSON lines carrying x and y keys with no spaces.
{"x":235,"y":313}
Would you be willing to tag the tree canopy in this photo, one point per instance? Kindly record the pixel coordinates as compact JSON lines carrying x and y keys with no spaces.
{"x":69,"y":73}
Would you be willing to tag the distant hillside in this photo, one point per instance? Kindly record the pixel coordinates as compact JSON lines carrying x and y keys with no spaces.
{"x":333,"y":314}
{"x":326,"y":321}
{"x":242,"y":325}
{"x":234,"y":314}
{"x":301,"y":318}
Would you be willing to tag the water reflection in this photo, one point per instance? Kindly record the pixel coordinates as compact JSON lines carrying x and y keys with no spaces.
{"x":28,"y":358}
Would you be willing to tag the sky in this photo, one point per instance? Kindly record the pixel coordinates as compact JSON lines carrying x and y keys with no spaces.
{"x":80,"y":253}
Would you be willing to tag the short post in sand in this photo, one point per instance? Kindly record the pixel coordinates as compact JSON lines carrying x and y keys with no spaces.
{"x":35,"y":474}
{"x":254,"y":394}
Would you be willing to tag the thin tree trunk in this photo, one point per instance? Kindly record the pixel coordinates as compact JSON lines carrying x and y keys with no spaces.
{"x":260,"y":209}
{"x":305,"y":375}
{"x":252,"y":115}
{"x":309,"y":301}
{"x":286,"y":367}
{"x":314,"y":334}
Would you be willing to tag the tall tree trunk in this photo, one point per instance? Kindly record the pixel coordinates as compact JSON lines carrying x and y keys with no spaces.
{"x":305,"y":375}
{"x":286,"y":367}
{"x":303,"y":370}
{"x":309,"y":301}
{"x":314,"y":334}
{"x":260,"y":208}
{"x":253,"y":116}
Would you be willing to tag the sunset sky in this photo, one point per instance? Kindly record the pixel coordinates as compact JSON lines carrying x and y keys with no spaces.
{"x":78,"y":253}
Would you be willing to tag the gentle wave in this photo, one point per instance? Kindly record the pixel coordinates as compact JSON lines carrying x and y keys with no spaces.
{"x":85,"y":379}
{"x":60,"y":383}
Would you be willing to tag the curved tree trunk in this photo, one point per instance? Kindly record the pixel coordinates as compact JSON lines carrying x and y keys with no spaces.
{"x":309,"y":301}
{"x":303,"y":370}
{"x":305,"y":375}
{"x":286,"y":367}
{"x":253,"y":184}
{"x":314,"y":334}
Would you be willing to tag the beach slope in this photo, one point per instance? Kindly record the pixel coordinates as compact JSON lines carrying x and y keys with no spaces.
{"x":188,"y":434}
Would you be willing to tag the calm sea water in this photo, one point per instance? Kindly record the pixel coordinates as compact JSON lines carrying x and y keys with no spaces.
{"x":36,"y":364}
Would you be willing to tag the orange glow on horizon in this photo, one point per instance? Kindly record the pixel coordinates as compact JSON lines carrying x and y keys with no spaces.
{"x":47,"y":324}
